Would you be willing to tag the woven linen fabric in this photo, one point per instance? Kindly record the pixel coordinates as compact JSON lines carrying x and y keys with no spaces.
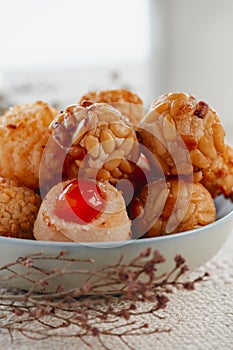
{"x":199,"y":319}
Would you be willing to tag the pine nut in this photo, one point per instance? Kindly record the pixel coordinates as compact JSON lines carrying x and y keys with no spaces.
{"x":126,"y":167}
{"x":184,"y":168}
{"x":176,"y":106}
{"x":197,"y":176}
{"x":107,"y":141}
{"x":160,"y":148}
{"x":103,"y":175}
{"x":190,"y":142}
{"x":156,"y":201}
{"x":109,"y":114}
{"x":102,"y":155}
{"x":93,"y":118}
{"x":103,"y":124}
{"x":116,"y":173}
{"x":198,"y":159}
{"x":127,"y":145}
{"x":119,"y":141}
{"x":79,"y":133}
{"x":119,"y":129}
{"x":169,"y":129}
{"x":92,"y":145}
{"x":180,"y":189}
{"x":71,"y":109}
{"x":114,"y":160}
{"x":112,"y":164}
{"x":161,"y":107}
{"x":218,"y":136}
{"x":206,"y":146}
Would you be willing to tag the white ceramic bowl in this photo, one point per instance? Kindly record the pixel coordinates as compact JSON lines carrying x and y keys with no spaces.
{"x":196,"y":246}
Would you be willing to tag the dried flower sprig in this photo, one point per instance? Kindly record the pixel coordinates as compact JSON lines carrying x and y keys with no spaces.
{"x":75,"y":312}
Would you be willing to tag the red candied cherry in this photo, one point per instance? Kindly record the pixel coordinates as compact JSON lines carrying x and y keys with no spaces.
{"x":81,"y":202}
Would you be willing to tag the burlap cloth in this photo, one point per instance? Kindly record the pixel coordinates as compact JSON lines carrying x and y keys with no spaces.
{"x":199,"y":319}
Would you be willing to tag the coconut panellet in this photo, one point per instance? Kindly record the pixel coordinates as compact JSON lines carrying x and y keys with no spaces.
{"x":185,"y":134}
{"x":172,"y":206}
{"x":126,"y":101}
{"x":24,"y":132}
{"x":18,"y":209}
{"x":83,"y":211}
{"x":100,"y":140}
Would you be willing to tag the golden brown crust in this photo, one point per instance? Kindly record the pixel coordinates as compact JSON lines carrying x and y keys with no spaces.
{"x":219,"y":178}
{"x":185,"y":134}
{"x":100,"y":140}
{"x":173,"y":206}
{"x":18,"y":209}
{"x":23,"y":136}
{"x":126,"y":101}
{"x":115,"y":95}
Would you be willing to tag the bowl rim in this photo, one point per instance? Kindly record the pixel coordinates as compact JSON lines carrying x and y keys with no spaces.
{"x":63,"y":245}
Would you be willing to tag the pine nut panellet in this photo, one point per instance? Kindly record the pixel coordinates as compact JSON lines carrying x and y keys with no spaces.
{"x":126,"y":101}
{"x":179,"y":206}
{"x":185,"y":134}
{"x":100,"y":140}
{"x":111,"y":224}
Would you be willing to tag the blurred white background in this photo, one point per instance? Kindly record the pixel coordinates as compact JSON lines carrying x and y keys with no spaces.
{"x":56,"y":50}
{"x":56,"y":33}
{"x":195,"y":52}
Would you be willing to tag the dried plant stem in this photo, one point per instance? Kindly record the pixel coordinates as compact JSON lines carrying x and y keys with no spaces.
{"x":77,"y":311}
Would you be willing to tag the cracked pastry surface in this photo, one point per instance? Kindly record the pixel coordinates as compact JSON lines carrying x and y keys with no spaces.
{"x":18,"y":209}
{"x":126,"y":101}
{"x":185,"y":134}
{"x":23,"y":136}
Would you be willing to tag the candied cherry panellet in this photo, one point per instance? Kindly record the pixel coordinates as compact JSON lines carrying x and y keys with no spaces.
{"x":81,"y":201}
